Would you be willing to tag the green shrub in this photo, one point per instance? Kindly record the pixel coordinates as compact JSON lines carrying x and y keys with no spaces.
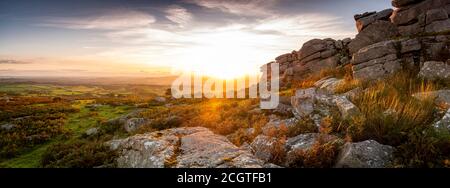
{"x":80,"y":154}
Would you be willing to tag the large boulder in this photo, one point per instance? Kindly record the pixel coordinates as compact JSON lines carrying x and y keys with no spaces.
{"x":363,"y":20}
{"x":263,"y":147}
{"x":315,"y":45}
{"x":304,"y":143}
{"x":376,"y":61}
{"x":303,"y":102}
{"x":435,"y":70}
{"x":187,"y":147}
{"x":366,"y":154}
{"x":377,"y":31}
{"x":328,"y":84}
{"x":133,"y":124}
{"x":347,"y":108}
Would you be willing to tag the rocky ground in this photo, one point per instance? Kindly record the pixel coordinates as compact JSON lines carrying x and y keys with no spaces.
{"x":413,"y":36}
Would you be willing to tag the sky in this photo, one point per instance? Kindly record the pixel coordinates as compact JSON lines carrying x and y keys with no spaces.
{"x":138,"y":38}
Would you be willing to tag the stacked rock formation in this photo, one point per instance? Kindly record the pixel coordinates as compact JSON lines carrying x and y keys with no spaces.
{"x":415,"y":32}
{"x":414,"y":17}
{"x":314,"y":56}
{"x":373,"y":27}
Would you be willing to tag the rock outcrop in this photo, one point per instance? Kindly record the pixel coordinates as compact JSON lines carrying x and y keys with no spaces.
{"x":318,"y":103}
{"x":435,"y":70}
{"x":376,"y":61}
{"x":415,"y":32}
{"x":419,"y":17}
{"x":366,"y":154}
{"x":372,"y":29}
{"x":314,"y":56}
{"x":190,"y":147}
{"x":365,"y":19}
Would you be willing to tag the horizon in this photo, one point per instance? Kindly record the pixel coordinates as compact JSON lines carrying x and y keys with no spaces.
{"x":225,"y":39}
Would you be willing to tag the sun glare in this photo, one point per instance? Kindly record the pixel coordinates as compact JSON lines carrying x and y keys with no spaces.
{"x":223,"y":55}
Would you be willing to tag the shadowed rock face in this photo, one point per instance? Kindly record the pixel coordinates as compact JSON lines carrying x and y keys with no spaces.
{"x":363,"y":20}
{"x":182,"y":148}
{"x":416,"y":17}
{"x":376,"y":32}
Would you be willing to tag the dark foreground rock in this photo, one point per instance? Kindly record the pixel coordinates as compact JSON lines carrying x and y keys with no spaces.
{"x":366,"y":154}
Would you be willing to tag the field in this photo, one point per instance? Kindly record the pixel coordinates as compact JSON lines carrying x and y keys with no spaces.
{"x":59,"y":114}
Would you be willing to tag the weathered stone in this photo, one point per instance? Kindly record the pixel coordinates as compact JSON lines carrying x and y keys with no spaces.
{"x":91,"y":131}
{"x":328,"y":53}
{"x":347,"y":108}
{"x":339,"y":44}
{"x":410,"y":45}
{"x":283,"y":109}
{"x":444,"y":123}
{"x":377,"y":71}
{"x":381,"y":60}
{"x":346,"y":41}
{"x":409,"y":15}
{"x":262,"y":147}
{"x":435,"y":70}
{"x":313,"y":46}
{"x":188,"y":147}
{"x":365,"y":14}
{"x":304,"y":143}
{"x":319,"y":65}
{"x":310,"y":58}
{"x":438,"y":26}
{"x":160,"y":99}
{"x":363,"y":22}
{"x":282,"y":58}
{"x":328,"y":85}
{"x":402,"y":3}
{"x":434,"y":49}
{"x":134,"y":123}
{"x":412,"y":29}
{"x":374,"y":51}
{"x":303,"y":102}
{"x":376,"y":32}
{"x":276,"y":124}
{"x":366,"y":154}
{"x":436,"y":15}
{"x":352,"y":93}
{"x":7,"y":126}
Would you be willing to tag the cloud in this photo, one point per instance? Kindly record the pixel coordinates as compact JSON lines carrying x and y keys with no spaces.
{"x":121,"y":19}
{"x":239,"y":7}
{"x":10,"y":61}
{"x":179,"y":15}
